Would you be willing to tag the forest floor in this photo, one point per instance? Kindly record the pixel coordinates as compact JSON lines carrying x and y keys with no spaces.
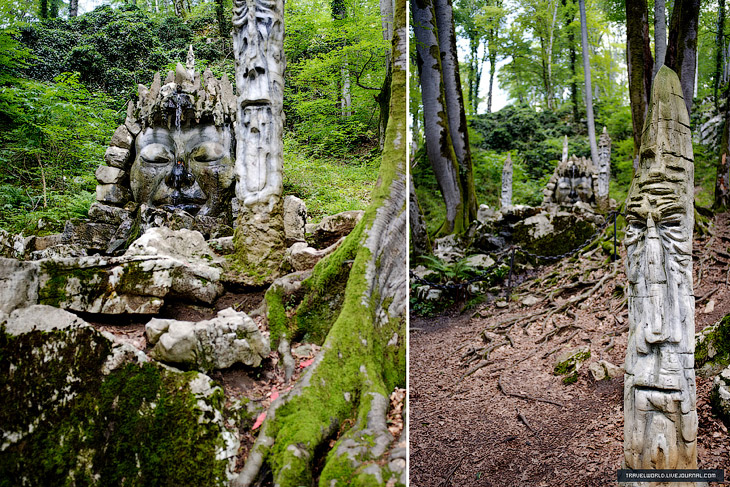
{"x":467,"y":425}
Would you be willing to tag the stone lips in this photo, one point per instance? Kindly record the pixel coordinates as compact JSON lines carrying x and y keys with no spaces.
{"x":660,"y":429}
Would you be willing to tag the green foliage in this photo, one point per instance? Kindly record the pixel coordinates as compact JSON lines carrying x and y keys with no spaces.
{"x":327,"y":185}
{"x":52,"y":134}
{"x":323,"y":53}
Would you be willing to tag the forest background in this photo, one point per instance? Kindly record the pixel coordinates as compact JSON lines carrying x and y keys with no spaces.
{"x":536,"y":45}
{"x":66,"y":78}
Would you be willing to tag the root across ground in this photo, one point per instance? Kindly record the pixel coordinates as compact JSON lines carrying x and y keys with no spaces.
{"x":486,"y":409}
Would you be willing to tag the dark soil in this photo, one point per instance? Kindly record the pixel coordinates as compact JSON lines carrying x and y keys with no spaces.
{"x":465,"y":431}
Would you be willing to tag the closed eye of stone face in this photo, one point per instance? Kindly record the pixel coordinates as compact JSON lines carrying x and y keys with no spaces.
{"x":156,"y":154}
{"x":208,"y":152}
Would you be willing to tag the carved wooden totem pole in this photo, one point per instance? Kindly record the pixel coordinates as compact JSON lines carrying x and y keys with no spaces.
{"x":604,"y":169}
{"x":507,"y":182}
{"x":660,"y":417}
{"x":258,"y":45}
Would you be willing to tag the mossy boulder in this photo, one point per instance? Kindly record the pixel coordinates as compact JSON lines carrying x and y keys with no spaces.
{"x":80,"y":409}
{"x":720,"y":396}
{"x":553,"y":233}
{"x":568,"y":363}
{"x":712,"y":348}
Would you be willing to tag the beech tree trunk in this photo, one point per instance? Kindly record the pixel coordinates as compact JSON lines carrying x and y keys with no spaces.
{"x":720,"y":54}
{"x":682,"y":46}
{"x":640,"y":66}
{"x":420,"y":242}
{"x":588,"y":90}
{"x":445,"y":130}
{"x":660,"y":35}
{"x":363,"y":357}
{"x":73,"y":8}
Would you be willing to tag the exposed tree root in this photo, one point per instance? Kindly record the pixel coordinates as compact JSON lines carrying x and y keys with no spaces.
{"x":525,"y":396}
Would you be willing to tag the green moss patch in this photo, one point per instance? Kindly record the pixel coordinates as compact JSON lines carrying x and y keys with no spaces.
{"x":569,"y":362}
{"x":73,"y":426}
{"x":712,"y":347}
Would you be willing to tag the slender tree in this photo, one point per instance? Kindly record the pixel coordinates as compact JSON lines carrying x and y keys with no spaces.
{"x":588,"y":90}
{"x":73,"y":8}
{"x":720,"y":52}
{"x":660,"y":35}
{"x":682,"y":46}
{"x":640,"y":66}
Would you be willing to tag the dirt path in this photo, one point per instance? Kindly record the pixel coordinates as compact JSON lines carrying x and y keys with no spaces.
{"x":465,"y":431}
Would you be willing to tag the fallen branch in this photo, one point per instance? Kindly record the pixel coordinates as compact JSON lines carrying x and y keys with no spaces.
{"x":525,"y":396}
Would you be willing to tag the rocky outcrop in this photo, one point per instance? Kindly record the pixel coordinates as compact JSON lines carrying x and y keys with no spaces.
{"x":712,"y":348}
{"x":334,"y":227}
{"x":720,"y":396}
{"x":302,"y":257}
{"x":232,"y":337}
{"x":79,"y":407}
{"x":18,"y":284}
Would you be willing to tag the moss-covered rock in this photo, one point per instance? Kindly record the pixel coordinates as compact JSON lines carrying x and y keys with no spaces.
{"x":712,"y":348}
{"x":720,"y":396}
{"x":553,"y":233}
{"x":80,"y":409}
{"x":568,"y":363}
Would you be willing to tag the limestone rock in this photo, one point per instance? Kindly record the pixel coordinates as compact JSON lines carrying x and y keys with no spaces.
{"x":260,"y":244}
{"x":569,"y":362}
{"x":188,"y":245}
{"x":295,"y":219}
{"x":18,"y":284}
{"x":720,"y":396}
{"x":114,"y":194}
{"x":90,"y":235}
{"x":112,"y":215}
{"x":530,"y":300}
{"x":117,"y":157}
{"x":302,"y":257}
{"x":122,"y":138}
{"x":40,"y":317}
{"x":334,"y":227}
{"x":222,"y":245}
{"x":110,"y":175}
{"x":604,"y":370}
{"x":449,"y":248}
{"x":61,"y":251}
{"x":12,"y":246}
{"x":479,"y":261}
{"x":554,"y":232}
{"x":46,"y":241}
{"x":485,"y":213}
{"x":210,"y":227}
{"x":232,"y":337}
{"x":107,"y":404}
{"x":506,"y":198}
{"x":712,"y":348}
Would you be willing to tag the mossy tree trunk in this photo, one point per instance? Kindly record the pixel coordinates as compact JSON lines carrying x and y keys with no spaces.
{"x":445,"y":132}
{"x":363,"y":357}
{"x":640,"y":65}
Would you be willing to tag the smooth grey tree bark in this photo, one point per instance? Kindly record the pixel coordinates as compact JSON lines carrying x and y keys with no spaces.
{"x":588,"y":90}
{"x":660,"y":35}
{"x":682,"y":46}
{"x":73,"y":8}
{"x":439,"y":147}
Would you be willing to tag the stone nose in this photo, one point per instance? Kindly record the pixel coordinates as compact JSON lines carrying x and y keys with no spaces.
{"x":179,"y":177}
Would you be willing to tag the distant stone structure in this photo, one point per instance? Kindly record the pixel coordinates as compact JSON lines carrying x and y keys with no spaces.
{"x":564,"y":159}
{"x":507,"y":182}
{"x":172,"y":160}
{"x":660,"y":416}
{"x":573,"y":181}
{"x":604,"y":169}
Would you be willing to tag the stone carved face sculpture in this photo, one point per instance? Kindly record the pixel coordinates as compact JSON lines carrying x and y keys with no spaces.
{"x":573,"y":185}
{"x":659,"y":390}
{"x":188,"y":168}
{"x":258,"y":47}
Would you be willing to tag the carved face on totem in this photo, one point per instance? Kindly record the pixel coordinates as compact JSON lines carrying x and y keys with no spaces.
{"x":190,"y":169}
{"x":258,"y":48}
{"x":659,"y":390}
{"x":573,"y":185}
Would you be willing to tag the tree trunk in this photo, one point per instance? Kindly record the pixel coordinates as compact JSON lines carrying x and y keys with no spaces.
{"x":719,"y":55}
{"x":54,"y":7}
{"x":419,"y":235}
{"x":455,"y":103}
{"x":44,"y":9}
{"x":492,"y":70}
{"x":682,"y":46}
{"x":73,"y":8}
{"x":346,"y":101}
{"x":383,"y":97}
{"x":437,"y":135}
{"x":363,"y":357}
{"x":660,"y":35}
{"x":588,"y":90}
{"x":569,"y":16}
{"x":640,"y":66}
{"x":219,"y":13}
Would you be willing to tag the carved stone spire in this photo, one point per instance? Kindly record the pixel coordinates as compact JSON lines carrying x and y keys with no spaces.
{"x":660,"y":416}
{"x":507,"y":182}
{"x":564,"y":159}
{"x":604,"y":169}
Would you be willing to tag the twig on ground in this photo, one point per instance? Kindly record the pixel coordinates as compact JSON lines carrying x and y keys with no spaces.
{"x":451,"y":473}
{"x":524,"y":420}
{"x":525,"y":396}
